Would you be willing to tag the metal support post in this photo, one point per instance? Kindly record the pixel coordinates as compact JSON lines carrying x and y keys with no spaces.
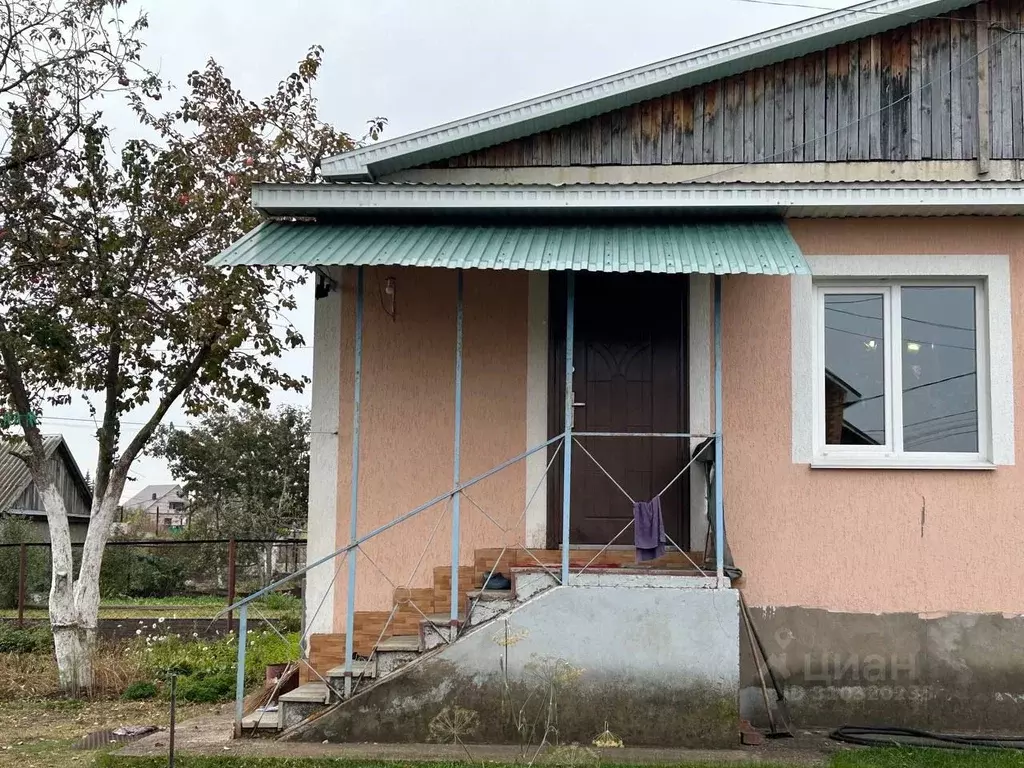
{"x":353,"y":527}
{"x":232,"y":579}
{"x":570,"y":328}
{"x":719,"y":506}
{"x":457,"y":459}
{"x":243,"y":621}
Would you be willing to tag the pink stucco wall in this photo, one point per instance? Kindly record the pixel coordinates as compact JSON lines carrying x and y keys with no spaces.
{"x":408,"y":420}
{"x":852,"y":540}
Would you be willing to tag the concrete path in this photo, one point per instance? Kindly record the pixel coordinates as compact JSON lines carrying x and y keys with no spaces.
{"x":211,"y":735}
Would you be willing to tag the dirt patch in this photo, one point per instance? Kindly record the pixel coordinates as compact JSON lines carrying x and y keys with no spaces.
{"x":40,"y":733}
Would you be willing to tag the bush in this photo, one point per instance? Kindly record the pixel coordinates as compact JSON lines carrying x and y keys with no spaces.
{"x":27,"y":640}
{"x":139,"y":691}
{"x":131,"y":572}
{"x":206,"y":689}
{"x":16,"y":531}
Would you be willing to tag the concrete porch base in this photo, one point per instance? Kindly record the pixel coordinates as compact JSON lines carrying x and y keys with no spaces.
{"x":955,"y":672}
{"x":655,"y":664}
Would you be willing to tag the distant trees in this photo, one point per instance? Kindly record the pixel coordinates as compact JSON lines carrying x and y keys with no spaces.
{"x":246,"y":472}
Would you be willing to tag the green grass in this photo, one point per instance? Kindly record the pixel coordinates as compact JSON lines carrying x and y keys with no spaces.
{"x":907,"y":757}
{"x":275,"y":606}
{"x":860,"y":758}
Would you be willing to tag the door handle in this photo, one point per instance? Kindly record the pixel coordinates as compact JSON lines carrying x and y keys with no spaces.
{"x":575,"y":405}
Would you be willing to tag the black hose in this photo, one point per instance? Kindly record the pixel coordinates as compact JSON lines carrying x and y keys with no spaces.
{"x":886,"y":736}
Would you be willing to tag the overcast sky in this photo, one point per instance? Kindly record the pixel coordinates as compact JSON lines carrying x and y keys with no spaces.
{"x":418,"y":63}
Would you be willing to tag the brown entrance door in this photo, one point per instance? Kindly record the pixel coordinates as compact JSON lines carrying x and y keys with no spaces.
{"x":628,"y":377}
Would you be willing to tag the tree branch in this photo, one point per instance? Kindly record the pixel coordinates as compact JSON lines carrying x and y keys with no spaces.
{"x":186,"y":378}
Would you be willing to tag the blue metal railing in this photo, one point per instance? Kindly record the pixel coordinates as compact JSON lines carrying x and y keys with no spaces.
{"x":566,"y":439}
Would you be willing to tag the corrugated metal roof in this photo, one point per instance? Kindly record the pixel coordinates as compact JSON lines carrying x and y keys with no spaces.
{"x":760,"y":247}
{"x":599,"y":96}
{"x":14,"y":474}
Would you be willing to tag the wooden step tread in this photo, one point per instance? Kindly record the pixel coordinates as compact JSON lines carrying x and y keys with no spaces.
{"x":400,"y":643}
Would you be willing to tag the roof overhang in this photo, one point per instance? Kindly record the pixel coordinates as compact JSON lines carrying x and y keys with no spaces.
{"x":816,"y":200}
{"x":718,"y":248}
{"x":636,"y":85}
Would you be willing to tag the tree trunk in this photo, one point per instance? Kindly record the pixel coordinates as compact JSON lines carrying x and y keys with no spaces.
{"x":74,"y":670}
{"x":75,"y":604}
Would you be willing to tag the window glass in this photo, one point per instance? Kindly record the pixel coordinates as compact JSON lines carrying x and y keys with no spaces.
{"x":854,"y":369}
{"x":940,"y":369}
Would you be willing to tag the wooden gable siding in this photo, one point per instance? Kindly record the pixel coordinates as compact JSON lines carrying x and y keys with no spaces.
{"x":908,"y":94}
{"x":74,"y":500}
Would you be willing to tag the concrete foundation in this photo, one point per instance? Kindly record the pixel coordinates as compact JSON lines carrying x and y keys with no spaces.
{"x":953,"y":672}
{"x":656,"y":666}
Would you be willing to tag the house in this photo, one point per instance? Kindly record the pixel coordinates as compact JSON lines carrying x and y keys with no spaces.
{"x":161,"y":508}
{"x":806,"y":244}
{"x":19,"y":497}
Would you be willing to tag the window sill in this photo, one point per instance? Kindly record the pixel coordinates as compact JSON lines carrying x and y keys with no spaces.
{"x":835,"y":462}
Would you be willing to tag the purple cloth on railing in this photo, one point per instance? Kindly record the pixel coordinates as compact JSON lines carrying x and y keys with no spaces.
{"x":648,"y":530}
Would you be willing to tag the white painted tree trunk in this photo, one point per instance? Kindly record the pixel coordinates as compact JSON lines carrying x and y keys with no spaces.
{"x":75,"y":603}
{"x":73,"y":667}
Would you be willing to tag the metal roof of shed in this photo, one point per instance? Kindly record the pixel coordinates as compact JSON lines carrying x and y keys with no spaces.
{"x":759,"y":247}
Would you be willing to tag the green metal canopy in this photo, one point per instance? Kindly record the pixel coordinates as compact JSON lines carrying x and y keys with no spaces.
{"x":756,"y":247}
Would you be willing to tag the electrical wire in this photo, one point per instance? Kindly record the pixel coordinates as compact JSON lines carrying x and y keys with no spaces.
{"x":853,"y":9}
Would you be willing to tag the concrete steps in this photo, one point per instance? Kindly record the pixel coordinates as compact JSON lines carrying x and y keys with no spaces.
{"x":435,"y":629}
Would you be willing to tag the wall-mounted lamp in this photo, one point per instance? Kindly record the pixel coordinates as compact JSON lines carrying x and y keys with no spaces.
{"x":389,"y":290}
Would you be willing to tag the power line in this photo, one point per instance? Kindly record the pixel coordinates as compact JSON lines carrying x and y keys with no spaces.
{"x":855,"y":10}
{"x":90,"y":423}
{"x":908,"y":341}
{"x":904,"y":317}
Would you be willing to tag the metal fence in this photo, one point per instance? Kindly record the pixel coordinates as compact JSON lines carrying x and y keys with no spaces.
{"x":134,"y":570}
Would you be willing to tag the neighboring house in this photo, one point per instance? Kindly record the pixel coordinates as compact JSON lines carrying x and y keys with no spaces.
{"x":835,"y":205}
{"x":19,"y":497}
{"x":162,"y":508}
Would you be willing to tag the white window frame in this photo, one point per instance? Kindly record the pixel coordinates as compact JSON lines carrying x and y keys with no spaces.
{"x":989,"y":274}
{"x":891,"y":292}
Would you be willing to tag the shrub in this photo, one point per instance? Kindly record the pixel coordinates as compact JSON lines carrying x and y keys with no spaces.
{"x":27,"y":640}
{"x":15,"y":531}
{"x":206,"y":689}
{"x":131,"y":572}
{"x":139,"y":691}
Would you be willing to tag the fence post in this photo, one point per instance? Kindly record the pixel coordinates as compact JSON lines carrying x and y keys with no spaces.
{"x":22,"y":578}
{"x":231,"y":580}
